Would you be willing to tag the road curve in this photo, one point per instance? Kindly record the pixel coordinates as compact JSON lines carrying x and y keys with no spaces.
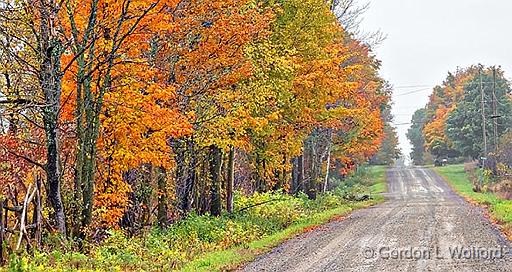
{"x":423,"y":226}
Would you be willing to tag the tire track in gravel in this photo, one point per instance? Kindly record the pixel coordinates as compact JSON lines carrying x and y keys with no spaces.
{"x":422,"y":215}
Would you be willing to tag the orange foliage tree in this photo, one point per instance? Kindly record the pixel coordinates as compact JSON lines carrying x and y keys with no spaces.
{"x":181,"y":93}
{"x":442,"y":102}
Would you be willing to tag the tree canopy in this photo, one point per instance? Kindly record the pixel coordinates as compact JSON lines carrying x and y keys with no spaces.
{"x":141,"y":112}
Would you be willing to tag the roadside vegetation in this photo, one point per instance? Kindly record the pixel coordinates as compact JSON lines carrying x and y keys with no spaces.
{"x":461,"y":179}
{"x":378,"y":175}
{"x":142,"y":134}
{"x":467,"y":119}
{"x":204,"y":242}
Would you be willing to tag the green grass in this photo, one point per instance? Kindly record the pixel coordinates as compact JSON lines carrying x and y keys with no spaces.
{"x":499,"y":209}
{"x":378,"y":174}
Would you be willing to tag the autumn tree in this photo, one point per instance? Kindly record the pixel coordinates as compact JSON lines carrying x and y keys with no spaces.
{"x":442,"y":102}
{"x":350,"y":14}
{"x":109,"y":43}
{"x":32,"y":42}
{"x":145,"y":109}
{"x":203,"y":58}
{"x":464,"y":124}
{"x":83,"y":53}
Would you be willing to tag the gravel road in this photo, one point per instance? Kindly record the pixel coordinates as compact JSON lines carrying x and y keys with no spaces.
{"x":423,"y":226}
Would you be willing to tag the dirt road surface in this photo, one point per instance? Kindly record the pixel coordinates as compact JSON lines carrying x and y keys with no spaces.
{"x":423,"y":226}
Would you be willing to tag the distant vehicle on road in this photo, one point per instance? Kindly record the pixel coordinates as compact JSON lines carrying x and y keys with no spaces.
{"x":440,"y":162}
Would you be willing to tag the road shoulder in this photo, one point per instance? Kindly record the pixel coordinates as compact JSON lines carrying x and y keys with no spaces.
{"x":499,"y":211}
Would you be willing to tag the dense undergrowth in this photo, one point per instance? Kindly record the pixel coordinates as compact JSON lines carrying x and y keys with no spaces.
{"x":213,"y":243}
{"x":500,"y":209}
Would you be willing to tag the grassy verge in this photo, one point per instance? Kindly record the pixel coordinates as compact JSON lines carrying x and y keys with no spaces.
{"x":378,"y":175}
{"x":206,"y":243}
{"x":236,"y":256}
{"x":500,"y":210}
{"x":231,"y":258}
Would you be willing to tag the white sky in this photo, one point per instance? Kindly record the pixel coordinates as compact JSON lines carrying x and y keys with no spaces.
{"x":428,"y":38}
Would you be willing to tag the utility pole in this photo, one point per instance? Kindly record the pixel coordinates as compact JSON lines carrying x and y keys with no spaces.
{"x":484,"y":130}
{"x":494,"y":111}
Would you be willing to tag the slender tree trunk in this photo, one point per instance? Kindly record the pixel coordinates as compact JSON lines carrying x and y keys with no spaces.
{"x":162,"y":197}
{"x":300,"y":177}
{"x":259,"y":187}
{"x":230,"y":181}
{"x":295,"y":173}
{"x":93,"y":105}
{"x":38,"y":214}
{"x":215,"y":177}
{"x":281,"y":176}
{"x":328,"y":167}
{"x":87,"y":117}
{"x":179,"y":148}
{"x":327,"y":170}
{"x":51,"y":84}
{"x":313,"y":176}
{"x":188,"y":176}
{"x":88,"y":182}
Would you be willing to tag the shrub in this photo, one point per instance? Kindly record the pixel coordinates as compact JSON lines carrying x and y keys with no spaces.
{"x":280,"y":208}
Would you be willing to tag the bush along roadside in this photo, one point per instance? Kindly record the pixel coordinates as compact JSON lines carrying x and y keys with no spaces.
{"x":500,"y":210}
{"x":207,"y":243}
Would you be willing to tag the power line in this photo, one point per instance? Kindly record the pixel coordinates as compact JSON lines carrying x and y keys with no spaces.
{"x":433,"y":86}
{"x":401,"y":124}
{"x":411,"y":86}
{"x":413,"y":92}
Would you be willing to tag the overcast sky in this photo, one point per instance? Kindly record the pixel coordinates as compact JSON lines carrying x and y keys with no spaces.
{"x":428,"y":38}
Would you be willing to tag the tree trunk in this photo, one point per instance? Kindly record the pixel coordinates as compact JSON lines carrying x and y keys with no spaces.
{"x":327,"y":170}
{"x":281,"y":176}
{"x":230,"y":181}
{"x":162,"y":197}
{"x":295,"y":173}
{"x":37,"y":214}
{"x":186,"y":164}
{"x":300,"y":176}
{"x":88,"y":144}
{"x":328,"y":167}
{"x":179,"y":173}
{"x":51,"y":84}
{"x":313,"y":175}
{"x":53,"y":174}
{"x":215,"y":177}
{"x":88,"y":182}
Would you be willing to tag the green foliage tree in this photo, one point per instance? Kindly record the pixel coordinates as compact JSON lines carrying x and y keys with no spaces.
{"x":416,"y":137}
{"x":464,"y":124}
{"x":504,"y":152}
{"x":389,"y":151}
